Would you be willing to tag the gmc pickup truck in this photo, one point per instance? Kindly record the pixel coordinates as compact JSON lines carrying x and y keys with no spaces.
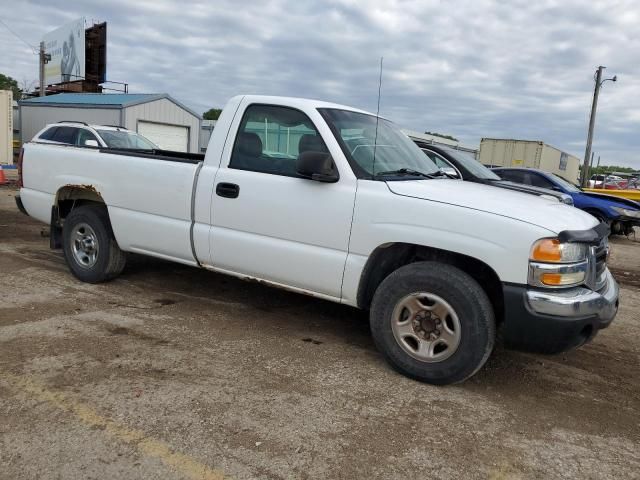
{"x":337,"y":203}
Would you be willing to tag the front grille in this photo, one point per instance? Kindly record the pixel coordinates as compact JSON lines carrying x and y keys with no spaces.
{"x":601,"y":254}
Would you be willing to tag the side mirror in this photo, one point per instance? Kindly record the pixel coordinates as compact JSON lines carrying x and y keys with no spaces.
{"x":317,"y":166}
{"x":91,"y":143}
{"x":450,"y":171}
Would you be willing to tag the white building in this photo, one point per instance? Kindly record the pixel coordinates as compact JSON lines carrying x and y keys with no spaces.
{"x":206,"y":130}
{"x":159,"y":117}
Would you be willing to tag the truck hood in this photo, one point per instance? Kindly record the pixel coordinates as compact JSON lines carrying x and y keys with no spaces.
{"x":619,"y":201}
{"x":546,"y":213}
{"x":562,"y":197}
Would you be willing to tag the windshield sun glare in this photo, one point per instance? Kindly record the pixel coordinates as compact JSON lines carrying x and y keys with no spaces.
{"x":372,"y":149}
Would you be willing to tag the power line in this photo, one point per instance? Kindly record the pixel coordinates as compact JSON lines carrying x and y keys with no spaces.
{"x":33,"y":49}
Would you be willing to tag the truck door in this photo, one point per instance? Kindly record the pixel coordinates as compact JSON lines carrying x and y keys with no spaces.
{"x":270,"y":223}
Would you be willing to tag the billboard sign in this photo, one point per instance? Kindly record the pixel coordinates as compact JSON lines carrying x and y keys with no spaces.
{"x":96,"y":53}
{"x":66,"y":45}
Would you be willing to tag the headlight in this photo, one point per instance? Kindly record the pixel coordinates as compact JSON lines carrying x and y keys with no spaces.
{"x":556,"y":264}
{"x":627,"y":212}
{"x":552,"y":251}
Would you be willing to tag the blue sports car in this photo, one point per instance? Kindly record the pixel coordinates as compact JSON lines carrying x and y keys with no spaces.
{"x":620,"y":213}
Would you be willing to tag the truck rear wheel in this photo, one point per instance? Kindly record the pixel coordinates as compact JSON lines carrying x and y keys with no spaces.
{"x":89,"y":246}
{"x":433,"y":322}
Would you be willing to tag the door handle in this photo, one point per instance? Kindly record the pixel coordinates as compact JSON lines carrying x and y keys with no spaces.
{"x":227,"y":190}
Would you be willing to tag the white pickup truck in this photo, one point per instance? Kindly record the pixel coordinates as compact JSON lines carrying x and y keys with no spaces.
{"x":337,"y":203}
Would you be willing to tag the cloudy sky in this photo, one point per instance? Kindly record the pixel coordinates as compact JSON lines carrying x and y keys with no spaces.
{"x":472,"y":69}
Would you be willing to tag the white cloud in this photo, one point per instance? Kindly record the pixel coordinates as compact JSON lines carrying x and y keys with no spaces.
{"x":517,"y":69}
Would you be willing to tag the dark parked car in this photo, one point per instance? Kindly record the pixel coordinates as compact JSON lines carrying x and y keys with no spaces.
{"x":620,"y":213}
{"x":458,"y":163}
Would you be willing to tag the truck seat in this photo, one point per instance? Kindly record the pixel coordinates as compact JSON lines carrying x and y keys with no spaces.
{"x":247,"y":152}
{"x":311,"y":143}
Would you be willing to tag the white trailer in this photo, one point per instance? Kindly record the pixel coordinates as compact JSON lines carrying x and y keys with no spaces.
{"x":497,"y":152}
{"x":6,"y":127}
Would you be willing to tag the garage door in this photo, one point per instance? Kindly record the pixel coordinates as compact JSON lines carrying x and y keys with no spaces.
{"x":167,"y":137}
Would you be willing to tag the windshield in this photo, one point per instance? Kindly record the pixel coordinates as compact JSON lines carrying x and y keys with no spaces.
{"x":125,"y":139}
{"x":565,"y":184}
{"x":394,"y":152}
{"x":471,"y":164}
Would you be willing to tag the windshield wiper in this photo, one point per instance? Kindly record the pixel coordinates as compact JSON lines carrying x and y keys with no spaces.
{"x":409,"y":171}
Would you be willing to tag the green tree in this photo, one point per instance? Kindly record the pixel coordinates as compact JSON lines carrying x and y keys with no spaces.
{"x":441,"y":135}
{"x":604,"y":169}
{"x":212,"y":114}
{"x":8,"y":83}
{"x":609,"y":170}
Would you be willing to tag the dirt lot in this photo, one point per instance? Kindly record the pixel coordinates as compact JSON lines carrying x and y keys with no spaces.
{"x":171,"y":372}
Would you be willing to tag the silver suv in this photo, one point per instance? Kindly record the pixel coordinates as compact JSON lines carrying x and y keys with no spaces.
{"x":98,"y":136}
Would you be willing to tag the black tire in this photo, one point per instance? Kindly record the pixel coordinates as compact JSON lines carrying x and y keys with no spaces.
{"x":463,"y":294}
{"x":109,"y":261}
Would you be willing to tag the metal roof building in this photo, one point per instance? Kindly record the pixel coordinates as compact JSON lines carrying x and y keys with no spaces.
{"x":159,"y":117}
{"x":428,"y":138}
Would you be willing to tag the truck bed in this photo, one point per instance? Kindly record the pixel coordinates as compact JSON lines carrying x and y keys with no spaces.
{"x":148,"y":193}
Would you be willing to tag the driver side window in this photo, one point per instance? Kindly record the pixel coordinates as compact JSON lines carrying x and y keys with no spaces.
{"x":540,"y":181}
{"x":511,"y":175}
{"x":270,"y":138}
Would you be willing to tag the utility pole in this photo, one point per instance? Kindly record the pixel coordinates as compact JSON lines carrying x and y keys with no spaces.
{"x":42,"y":54}
{"x":592,"y":120}
{"x":44,"y":59}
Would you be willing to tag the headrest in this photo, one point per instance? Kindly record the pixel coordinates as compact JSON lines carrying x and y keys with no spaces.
{"x":311,"y":143}
{"x":249,"y":144}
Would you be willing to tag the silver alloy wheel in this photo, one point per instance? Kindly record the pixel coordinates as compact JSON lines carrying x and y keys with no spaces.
{"x":426,"y":327}
{"x":84,"y":245}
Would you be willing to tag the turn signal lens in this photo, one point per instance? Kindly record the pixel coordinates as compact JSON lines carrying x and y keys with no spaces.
{"x":560,"y":279}
{"x":547,"y":250}
{"x":551,"y":278}
{"x":550,"y":250}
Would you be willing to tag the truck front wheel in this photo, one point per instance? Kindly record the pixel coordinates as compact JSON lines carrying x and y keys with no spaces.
{"x":89,"y":246}
{"x":433,"y":322}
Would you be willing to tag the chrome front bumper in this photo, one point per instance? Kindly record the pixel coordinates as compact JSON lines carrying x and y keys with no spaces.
{"x":577,"y":302}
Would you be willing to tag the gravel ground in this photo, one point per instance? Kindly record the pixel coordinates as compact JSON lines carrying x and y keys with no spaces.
{"x":172,"y":372}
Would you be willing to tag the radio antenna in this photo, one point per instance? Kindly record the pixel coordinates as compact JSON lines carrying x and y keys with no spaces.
{"x":375,"y":140}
